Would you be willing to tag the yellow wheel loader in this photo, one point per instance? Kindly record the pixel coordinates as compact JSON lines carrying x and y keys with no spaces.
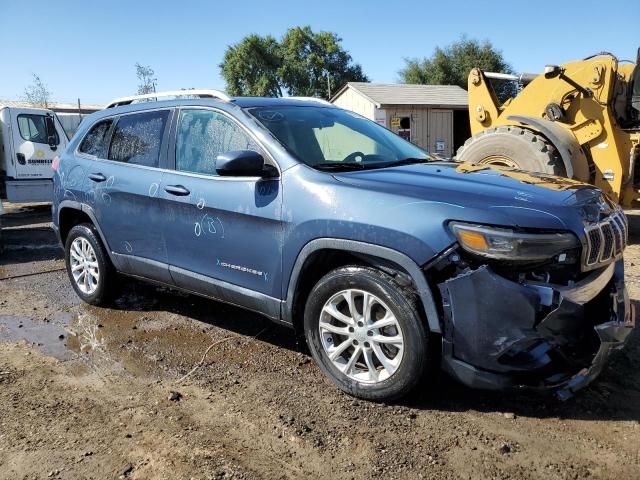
{"x":579,"y":120}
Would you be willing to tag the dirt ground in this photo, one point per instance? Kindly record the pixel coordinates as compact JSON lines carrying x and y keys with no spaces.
{"x":98,"y":393}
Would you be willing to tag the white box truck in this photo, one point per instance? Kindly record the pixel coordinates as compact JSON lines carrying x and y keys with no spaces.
{"x":30,"y":138}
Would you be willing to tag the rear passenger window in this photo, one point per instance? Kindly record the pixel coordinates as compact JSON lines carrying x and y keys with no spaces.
{"x":94,"y":143}
{"x":203,"y":135}
{"x":137,"y":138}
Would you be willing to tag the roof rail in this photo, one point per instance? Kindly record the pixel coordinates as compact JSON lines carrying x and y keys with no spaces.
{"x":202,"y":93}
{"x":312,"y":99}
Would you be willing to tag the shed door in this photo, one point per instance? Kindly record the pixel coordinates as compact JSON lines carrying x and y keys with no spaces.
{"x":441,"y":132}
{"x":410,"y":124}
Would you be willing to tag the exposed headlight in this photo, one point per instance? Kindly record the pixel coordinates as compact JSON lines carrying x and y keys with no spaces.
{"x":505,"y":244}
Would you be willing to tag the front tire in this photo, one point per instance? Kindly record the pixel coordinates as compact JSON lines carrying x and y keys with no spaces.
{"x":365,"y":332}
{"x":88,"y":265}
{"x":512,"y":147}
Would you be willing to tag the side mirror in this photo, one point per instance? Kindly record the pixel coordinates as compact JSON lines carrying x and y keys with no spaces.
{"x":240,"y":163}
{"x":52,"y":137}
{"x":552,"y":71}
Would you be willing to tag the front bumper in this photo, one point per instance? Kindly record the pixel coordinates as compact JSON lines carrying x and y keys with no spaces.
{"x":499,"y":334}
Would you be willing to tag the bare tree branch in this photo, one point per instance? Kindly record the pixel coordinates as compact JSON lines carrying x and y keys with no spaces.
{"x":37,"y":94}
{"x":147,"y":79}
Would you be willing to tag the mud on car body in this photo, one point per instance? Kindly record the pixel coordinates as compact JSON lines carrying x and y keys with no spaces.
{"x":388,"y":261}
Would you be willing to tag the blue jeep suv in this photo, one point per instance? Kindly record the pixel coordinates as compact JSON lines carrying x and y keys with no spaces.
{"x":389,"y":261}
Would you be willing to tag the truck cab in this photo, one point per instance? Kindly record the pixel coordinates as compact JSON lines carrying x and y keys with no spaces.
{"x":30,"y":138}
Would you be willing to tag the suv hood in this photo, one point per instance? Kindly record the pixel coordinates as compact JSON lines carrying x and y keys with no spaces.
{"x":468,"y":185}
{"x":519,"y":198}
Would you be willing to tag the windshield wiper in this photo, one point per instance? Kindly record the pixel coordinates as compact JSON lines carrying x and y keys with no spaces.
{"x":338,"y":166}
{"x":407,"y":161}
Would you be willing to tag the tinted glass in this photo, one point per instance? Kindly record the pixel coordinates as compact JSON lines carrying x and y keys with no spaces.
{"x":321,"y":135}
{"x":137,"y":138}
{"x":205,"y":134}
{"x":636,"y":89}
{"x":94,"y":143}
{"x":33,"y":128}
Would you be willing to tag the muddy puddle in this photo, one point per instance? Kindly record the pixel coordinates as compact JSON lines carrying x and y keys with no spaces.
{"x":50,"y":337}
{"x":65,"y":336}
{"x":148,"y":331}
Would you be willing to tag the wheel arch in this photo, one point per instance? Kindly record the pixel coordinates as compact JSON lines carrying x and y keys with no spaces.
{"x":573,"y":158}
{"x":71,"y":213}
{"x":343,"y":252}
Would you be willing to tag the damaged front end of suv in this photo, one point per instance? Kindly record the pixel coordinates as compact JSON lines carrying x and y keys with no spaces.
{"x":534,"y":310}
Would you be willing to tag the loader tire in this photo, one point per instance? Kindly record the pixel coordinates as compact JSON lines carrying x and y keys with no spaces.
{"x":512,"y":147}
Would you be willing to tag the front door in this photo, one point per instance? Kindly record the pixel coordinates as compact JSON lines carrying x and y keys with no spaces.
{"x":32,"y":153}
{"x":223,"y":234}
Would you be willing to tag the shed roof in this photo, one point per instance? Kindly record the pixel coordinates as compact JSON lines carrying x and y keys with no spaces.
{"x":408,"y":94}
{"x":55,"y":106}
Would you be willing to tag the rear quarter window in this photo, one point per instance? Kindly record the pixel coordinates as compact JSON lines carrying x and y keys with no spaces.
{"x":137,"y":138}
{"x":94,"y":143}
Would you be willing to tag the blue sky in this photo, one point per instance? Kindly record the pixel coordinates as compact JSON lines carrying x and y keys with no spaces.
{"x":88,"y":49}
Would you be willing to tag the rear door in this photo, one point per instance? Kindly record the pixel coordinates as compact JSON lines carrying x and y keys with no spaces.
{"x":32,"y":154}
{"x":122,"y":185}
{"x":221,"y":232}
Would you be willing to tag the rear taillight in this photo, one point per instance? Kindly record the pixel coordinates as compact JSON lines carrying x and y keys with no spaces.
{"x":54,"y":164}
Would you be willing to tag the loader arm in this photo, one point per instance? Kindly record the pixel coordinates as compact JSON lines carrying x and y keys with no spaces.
{"x":577,"y":112}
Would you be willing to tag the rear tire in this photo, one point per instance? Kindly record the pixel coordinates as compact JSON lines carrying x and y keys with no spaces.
{"x":379,"y":363}
{"x":91,"y":273}
{"x":512,"y":147}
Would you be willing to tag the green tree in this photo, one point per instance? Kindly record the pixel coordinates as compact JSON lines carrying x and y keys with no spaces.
{"x":451,"y":66}
{"x":250,"y":67}
{"x":315,"y":64}
{"x":303,"y":63}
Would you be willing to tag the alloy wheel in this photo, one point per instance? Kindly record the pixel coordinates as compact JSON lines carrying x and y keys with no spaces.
{"x":84,"y":265}
{"x":361,"y":336}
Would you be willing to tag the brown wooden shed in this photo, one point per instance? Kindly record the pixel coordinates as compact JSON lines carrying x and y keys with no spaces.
{"x":434,"y":117}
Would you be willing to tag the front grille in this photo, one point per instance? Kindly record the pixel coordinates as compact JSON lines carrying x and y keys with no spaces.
{"x":595,"y":244}
{"x":606,"y":240}
{"x":607,"y":234}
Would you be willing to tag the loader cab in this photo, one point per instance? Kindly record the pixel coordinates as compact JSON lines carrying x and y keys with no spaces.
{"x":635,"y":93}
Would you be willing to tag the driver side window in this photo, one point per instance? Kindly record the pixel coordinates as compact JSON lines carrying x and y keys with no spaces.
{"x":33,"y":128}
{"x":205,"y":134}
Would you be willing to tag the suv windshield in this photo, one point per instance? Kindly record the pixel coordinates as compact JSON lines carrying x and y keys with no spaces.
{"x":335,"y":139}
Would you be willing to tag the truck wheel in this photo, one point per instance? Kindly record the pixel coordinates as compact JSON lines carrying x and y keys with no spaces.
{"x":365,"y":332}
{"x":88,"y":265}
{"x":512,"y":147}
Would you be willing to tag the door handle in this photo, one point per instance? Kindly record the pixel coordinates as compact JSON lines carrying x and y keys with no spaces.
{"x":97,"y":177}
{"x":177,"y":190}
